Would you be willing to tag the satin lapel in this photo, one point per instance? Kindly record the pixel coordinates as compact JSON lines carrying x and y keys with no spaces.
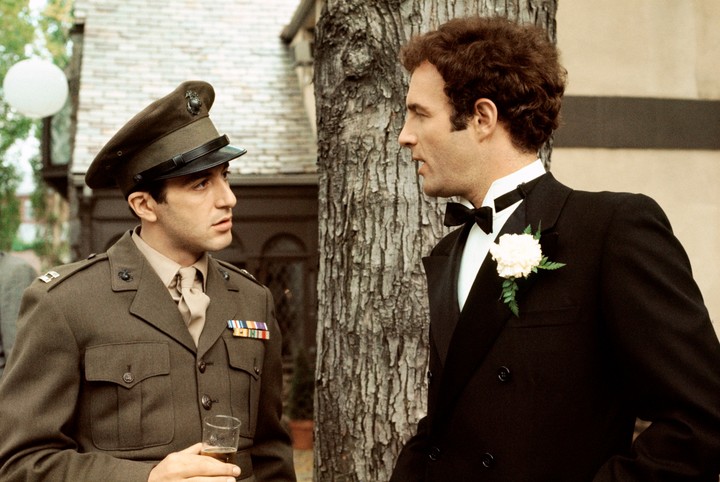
{"x":542,"y":210}
{"x":485,"y":315}
{"x":441,"y":270}
{"x":481,"y":320}
{"x":223,"y":307}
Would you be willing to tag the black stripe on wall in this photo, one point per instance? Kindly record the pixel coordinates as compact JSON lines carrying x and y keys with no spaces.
{"x":639,"y":123}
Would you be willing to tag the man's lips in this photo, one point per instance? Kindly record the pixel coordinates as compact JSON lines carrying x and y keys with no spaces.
{"x":224,"y":222}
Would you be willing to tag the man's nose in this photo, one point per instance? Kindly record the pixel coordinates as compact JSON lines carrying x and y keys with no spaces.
{"x":405,"y":138}
{"x":226,"y":197}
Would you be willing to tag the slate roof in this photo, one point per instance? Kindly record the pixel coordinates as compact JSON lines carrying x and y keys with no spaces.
{"x":135,"y":51}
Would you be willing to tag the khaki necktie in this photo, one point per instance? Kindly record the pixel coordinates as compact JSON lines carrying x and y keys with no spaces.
{"x":193,"y":302}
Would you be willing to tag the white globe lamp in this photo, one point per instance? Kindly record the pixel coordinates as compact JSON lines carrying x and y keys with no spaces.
{"x":36,"y":88}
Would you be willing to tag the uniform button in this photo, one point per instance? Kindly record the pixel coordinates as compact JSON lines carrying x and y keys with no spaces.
{"x":206,"y":402}
{"x":434,"y":453}
{"x":201,"y":366}
{"x":503,"y":374}
{"x":487,"y":460}
{"x":257,"y":371}
{"x":128,"y":377}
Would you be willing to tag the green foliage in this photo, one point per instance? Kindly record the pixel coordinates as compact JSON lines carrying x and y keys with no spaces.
{"x":302,"y":388}
{"x":9,"y":206}
{"x":24,"y":35}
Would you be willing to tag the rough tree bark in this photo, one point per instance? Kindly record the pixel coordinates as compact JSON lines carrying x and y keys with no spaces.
{"x":375,"y":226}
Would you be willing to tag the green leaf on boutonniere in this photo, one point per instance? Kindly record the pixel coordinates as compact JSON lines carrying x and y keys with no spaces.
{"x":519,"y":255}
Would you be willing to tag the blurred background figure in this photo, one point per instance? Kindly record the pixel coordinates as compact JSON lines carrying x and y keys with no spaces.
{"x":16,"y":274}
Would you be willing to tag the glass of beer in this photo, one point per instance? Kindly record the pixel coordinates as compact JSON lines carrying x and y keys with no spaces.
{"x":221,"y":434}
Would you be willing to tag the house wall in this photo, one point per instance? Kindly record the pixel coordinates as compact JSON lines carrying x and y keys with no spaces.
{"x":136,"y":51}
{"x":652,"y":49}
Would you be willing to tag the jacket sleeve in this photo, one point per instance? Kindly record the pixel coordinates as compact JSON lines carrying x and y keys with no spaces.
{"x":664,"y":345}
{"x":38,"y":396}
{"x":271,"y":452}
{"x":412,"y":461}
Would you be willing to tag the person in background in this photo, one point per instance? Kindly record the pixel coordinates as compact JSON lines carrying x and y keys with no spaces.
{"x":557,"y":317}
{"x":119,"y":357}
{"x":16,"y":274}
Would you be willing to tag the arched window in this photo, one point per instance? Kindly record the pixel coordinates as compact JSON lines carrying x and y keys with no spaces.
{"x":284,"y":270}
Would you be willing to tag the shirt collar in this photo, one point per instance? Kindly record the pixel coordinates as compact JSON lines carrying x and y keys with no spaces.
{"x":509,"y":182}
{"x":166,"y":268}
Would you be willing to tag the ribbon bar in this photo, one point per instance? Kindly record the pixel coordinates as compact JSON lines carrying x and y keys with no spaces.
{"x":249,"y":329}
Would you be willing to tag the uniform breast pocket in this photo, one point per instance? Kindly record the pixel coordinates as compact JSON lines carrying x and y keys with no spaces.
{"x":130,"y":393}
{"x":245,"y":357}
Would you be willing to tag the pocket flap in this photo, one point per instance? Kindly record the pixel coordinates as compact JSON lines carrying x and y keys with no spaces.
{"x":246,"y":355}
{"x":126,"y":364}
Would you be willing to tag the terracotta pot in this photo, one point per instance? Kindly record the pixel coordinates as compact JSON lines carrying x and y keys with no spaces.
{"x":301,"y":432}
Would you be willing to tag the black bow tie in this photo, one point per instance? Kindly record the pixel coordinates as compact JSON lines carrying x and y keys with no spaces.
{"x":457,"y":214}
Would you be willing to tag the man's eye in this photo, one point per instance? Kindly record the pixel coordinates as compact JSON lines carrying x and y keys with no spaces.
{"x":201,"y":184}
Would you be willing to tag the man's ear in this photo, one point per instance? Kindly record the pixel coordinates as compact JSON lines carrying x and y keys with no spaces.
{"x":144,"y":205}
{"x":485,"y":116}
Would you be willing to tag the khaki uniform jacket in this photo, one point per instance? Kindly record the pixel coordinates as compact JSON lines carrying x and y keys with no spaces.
{"x":105,"y":380}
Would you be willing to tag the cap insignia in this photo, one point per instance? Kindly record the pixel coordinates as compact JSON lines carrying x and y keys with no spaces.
{"x":193,"y":102}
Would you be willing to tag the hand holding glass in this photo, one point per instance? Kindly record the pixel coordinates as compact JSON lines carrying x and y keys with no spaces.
{"x":221,"y":434}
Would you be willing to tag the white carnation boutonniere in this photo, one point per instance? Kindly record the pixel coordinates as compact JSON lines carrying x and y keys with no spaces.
{"x":518,"y":256}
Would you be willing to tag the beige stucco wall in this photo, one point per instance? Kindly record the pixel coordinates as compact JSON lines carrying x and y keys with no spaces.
{"x":643,"y":48}
{"x":650,"y":48}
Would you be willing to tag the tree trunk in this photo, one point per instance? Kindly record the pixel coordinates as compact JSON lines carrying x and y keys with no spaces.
{"x":375,"y":226}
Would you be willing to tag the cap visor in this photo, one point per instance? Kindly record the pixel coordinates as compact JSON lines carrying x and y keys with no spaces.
{"x":212,"y":159}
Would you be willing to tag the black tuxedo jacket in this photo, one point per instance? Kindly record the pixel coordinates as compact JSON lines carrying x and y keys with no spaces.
{"x":620,"y":332}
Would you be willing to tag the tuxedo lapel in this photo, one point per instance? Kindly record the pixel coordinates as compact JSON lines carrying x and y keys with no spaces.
{"x":481,"y":320}
{"x":441,"y":270}
{"x":484,"y":314}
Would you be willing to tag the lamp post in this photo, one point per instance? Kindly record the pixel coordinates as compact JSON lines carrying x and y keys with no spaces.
{"x":35,"y":88}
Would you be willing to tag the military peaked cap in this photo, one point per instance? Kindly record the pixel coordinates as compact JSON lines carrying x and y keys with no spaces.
{"x":171,"y":137}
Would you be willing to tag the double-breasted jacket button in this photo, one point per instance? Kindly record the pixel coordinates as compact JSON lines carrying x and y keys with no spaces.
{"x":434,"y":453}
{"x":128,"y":377}
{"x":201,"y":366}
{"x":503,"y":374}
{"x":487,"y":460}
{"x":206,"y":402}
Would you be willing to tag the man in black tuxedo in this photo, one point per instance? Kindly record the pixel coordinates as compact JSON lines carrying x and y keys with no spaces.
{"x":544,"y":383}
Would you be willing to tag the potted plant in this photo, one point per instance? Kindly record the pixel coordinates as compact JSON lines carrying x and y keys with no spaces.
{"x":300,"y":405}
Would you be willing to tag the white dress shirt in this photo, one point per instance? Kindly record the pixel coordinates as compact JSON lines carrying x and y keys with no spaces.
{"x":478,"y":243}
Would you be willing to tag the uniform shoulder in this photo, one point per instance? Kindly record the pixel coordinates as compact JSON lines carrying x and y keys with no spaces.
{"x":59,"y":274}
{"x":225,"y":266}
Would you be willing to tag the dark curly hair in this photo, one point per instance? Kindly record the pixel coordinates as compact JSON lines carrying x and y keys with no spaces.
{"x":515,"y":66}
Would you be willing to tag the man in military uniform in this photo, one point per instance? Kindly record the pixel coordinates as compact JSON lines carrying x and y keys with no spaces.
{"x":119,"y":357}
